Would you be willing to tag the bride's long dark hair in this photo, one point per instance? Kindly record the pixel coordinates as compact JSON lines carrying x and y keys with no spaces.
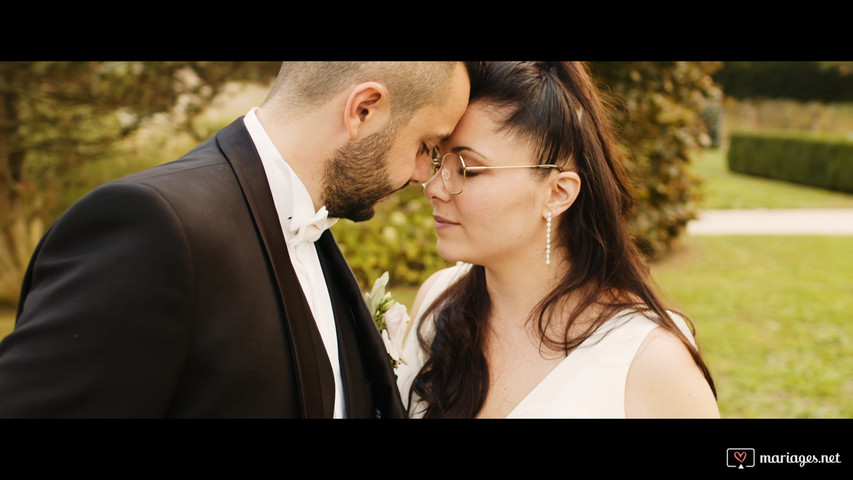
{"x":557,"y":107}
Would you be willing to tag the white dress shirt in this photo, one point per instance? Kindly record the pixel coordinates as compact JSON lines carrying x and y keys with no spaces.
{"x":295,"y":208}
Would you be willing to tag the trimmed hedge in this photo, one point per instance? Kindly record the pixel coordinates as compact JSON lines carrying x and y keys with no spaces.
{"x":804,"y":159}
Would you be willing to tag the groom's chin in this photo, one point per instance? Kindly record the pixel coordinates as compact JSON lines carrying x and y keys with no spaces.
{"x":360,"y":209}
{"x":363,"y":215}
{"x":357,"y":215}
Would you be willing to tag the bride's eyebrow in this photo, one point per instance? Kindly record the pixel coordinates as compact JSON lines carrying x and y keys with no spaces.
{"x":464,"y":148}
{"x":477,"y":157}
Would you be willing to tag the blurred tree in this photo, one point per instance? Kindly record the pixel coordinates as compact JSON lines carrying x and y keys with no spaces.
{"x":56,"y":117}
{"x":658,"y":113}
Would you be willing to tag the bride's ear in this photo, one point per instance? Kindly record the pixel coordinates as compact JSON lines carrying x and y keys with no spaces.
{"x":563,"y":191}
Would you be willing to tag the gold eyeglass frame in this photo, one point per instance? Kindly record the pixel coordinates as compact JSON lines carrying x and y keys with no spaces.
{"x":437,"y":164}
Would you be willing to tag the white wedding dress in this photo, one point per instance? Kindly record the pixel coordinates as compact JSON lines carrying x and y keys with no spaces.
{"x":588,"y":383}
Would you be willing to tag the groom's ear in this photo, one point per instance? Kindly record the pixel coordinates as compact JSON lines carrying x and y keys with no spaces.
{"x":563,"y":191}
{"x":367,"y":110}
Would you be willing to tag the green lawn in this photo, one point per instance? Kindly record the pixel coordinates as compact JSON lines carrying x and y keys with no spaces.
{"x":772,"y":312}
{"x":773,"y":318}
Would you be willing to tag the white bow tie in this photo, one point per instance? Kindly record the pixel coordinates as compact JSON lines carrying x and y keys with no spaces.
{"x":313,"y":228}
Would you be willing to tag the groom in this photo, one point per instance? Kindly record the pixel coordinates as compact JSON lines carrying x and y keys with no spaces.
{"x":209,"y":286}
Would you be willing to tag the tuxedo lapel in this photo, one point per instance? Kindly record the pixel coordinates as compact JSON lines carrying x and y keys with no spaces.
{"x":314,"y":372}
{"x":370,"y":381}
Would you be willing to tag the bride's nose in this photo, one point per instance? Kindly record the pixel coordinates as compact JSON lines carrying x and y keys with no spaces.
{"x":434,"y":188}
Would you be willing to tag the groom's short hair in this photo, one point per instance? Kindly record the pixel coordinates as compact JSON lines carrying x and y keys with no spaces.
{"x":302,"y":86}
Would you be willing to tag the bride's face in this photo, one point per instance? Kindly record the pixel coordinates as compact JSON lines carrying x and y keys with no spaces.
{"x":499,"y":215}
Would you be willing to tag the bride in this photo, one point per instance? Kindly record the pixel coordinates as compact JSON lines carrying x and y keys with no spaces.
{"x":549,"y":311}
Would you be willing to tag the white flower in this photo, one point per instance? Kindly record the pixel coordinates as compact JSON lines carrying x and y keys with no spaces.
{"x":375,"y":297}
{"x":396,"y":330}
{"x":391,"y":318}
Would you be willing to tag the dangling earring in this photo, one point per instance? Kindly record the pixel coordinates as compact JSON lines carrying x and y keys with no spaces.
{"x":548,"y":238}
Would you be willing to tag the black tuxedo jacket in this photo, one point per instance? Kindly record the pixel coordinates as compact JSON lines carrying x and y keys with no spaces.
{"x":170,"y":293}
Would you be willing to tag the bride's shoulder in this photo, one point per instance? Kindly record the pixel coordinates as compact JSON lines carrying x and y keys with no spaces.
{"x":665,"y":381}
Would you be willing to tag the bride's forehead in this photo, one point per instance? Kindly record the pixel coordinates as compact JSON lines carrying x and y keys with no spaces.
{"x":476,"y":125}
{"x":483,"y":143}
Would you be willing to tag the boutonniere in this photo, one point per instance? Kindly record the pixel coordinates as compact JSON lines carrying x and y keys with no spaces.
{"x":391,"y":318}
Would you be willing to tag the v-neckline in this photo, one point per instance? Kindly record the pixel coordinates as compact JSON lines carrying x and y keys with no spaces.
{"x":594,"y":335}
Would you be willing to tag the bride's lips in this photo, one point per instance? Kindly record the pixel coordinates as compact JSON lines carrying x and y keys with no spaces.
{"x":441,"y":222}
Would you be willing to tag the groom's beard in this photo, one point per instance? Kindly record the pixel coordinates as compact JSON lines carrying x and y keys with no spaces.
{"x":357,"y":178}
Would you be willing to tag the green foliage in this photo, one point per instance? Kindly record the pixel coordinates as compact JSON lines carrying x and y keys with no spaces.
{"x":63,"y":123}
{"x":59,"y":116}
{"x":400,"y":239}
{"x":659,"y":115}
{"x":806,"y":159}
{"x":14,"y":261}
{"x":61,"y":133}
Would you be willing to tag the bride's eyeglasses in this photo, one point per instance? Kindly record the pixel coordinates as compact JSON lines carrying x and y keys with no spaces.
{"x":453,"y":170}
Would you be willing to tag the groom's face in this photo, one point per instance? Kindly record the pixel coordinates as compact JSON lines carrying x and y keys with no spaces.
{"x":357,"y":177}
{"x":363,"y":172}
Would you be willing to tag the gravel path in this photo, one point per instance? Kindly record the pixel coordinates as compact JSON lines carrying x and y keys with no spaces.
{"x":773,"y":222}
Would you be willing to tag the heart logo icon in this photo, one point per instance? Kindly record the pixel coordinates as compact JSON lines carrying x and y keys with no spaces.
{"x":740,"y":456}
